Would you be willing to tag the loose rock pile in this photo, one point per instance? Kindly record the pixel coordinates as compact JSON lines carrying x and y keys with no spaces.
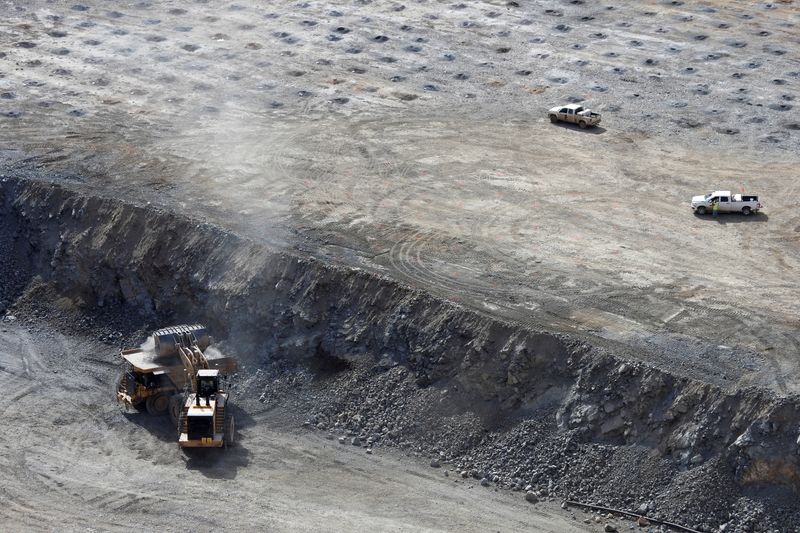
{"x":373,"y":406}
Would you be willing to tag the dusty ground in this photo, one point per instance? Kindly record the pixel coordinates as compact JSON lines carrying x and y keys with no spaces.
{"x":104,"y":469}
{"x":410,"y":139}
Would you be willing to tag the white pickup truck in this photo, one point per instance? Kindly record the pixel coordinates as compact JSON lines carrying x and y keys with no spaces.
{"x":576,"y":114}
{"x":727,"y":203}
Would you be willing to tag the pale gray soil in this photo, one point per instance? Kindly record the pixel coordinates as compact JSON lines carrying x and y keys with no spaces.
{"x":292,"y":122}
{"x":411,"y":140}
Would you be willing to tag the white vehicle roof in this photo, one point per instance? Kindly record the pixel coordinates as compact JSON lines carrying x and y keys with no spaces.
{"x":721,"y":193}
{"x":567,"y":106}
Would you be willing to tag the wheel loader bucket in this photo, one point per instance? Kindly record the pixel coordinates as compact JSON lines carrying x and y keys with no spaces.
{"x":166,"y":340}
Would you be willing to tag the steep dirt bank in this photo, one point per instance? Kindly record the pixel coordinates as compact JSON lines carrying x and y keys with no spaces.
{"x":522,"y":407}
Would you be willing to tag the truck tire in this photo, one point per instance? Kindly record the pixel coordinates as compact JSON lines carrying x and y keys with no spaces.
{"x":175,"y":406}
{"x":157,"y":405}
{"x":553,"y":118}
{"x":746,"y":210}
{"x":582,"y":124}
{"x":701,"y":210}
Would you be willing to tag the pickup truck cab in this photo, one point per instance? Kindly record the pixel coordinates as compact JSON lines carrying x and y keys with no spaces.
{"x":727,"y":203}
{"x":575,"y":114}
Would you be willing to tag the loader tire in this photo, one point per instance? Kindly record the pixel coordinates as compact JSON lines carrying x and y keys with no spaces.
{"x":175,"y":405}
{"x":158,"y":405}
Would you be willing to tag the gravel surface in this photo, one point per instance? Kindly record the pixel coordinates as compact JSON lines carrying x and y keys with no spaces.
{"x":532,"y":305}
{"x":377,"y":407}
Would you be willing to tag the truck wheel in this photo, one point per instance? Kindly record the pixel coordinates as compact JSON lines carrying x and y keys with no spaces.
{"x":553,"y":118}
{"x":157,"y":405}
{"x":175,"y":405}
{"x":230,"y":433}
{"x":701,"y":210}
{"x":582,"y":124}
{"x":745,"y":210}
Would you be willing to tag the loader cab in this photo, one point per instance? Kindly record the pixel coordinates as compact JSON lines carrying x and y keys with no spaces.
{"x":207,"y":385}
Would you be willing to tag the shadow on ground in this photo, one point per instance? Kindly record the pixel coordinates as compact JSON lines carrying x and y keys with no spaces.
{"x":595,"y":130}
{"x":218,"y":463}
{"x":733,"y":218}
{"x":159,"y":426}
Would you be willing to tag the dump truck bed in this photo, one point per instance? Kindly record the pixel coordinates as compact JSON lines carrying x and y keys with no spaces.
{"x":148,"y":361}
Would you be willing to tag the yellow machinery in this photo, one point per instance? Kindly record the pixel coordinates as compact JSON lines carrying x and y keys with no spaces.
{"x":157,"y":375}
{"x":204,"y":422}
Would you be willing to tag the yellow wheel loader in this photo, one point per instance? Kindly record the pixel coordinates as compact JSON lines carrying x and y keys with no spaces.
{"x":204,"y":422}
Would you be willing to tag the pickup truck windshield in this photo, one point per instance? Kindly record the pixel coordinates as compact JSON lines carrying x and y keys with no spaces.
{"x":707,"y":196}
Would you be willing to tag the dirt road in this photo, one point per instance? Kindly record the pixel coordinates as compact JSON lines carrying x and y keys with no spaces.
{"x":74,"y":461}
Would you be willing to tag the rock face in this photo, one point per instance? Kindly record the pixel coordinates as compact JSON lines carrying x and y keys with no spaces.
{"x":105,"y":253}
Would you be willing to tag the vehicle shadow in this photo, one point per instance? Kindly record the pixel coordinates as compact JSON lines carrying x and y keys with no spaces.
{"x":160,"y":427}
{"x":594,"y":130}
{"x":733,"y":218}
{"x":218,"y":463}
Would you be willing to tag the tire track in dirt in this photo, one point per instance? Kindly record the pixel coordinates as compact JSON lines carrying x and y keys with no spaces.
{"x":409,"y":258}
{"x":49,"y":479}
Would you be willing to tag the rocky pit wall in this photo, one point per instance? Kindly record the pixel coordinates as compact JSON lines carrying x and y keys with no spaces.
{"x":103,"y":252}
